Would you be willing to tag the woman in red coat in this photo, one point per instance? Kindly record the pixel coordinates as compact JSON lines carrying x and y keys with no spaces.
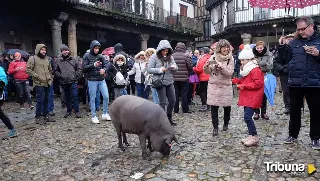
{"x":251,"y":87}
{"x":204,"y":78}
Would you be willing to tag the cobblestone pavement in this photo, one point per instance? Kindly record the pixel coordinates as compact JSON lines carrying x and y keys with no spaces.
{"x":75,"y":149}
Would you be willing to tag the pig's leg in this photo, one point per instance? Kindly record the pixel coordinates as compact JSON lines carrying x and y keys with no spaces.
{"x":149,"y":145}
{"x":119,"y":131}
{"x":125,"y":141}
{"x":143,"y":145}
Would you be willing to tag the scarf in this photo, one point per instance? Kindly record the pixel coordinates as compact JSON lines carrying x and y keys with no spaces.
{"x":257,"y":54}
{"x":248,"y":67}
{"x":222,"y":58}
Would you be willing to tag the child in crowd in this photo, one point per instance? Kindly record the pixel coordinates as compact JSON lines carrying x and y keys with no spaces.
{"x":4,"y":118}
{"x":251,"y":87}
{"x":119,"y":65}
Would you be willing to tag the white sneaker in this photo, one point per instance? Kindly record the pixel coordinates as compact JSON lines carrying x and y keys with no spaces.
{"x":95,"y":120}
{"x":105,"y":117}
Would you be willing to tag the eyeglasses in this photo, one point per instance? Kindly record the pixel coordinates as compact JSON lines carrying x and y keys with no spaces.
{"x":302,"y":29}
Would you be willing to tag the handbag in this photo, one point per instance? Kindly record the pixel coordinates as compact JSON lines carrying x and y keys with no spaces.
{"x":157,"y":82}
{"x":194,"y":79}
{"x":143,"y":78}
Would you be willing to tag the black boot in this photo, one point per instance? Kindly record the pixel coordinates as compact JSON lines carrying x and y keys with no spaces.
{"x":172,"y":122}
{"x":215,"y":132}
{"x":227,"y":112}
{"x":215,"y":119}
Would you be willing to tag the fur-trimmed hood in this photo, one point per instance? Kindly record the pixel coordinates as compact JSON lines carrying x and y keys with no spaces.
{"x":150,"y":51}
{"x":117,"y":57}
{"x":138,"y":55}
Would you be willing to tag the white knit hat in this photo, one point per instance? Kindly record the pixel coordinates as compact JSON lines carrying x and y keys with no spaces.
{"x":246,"y":53}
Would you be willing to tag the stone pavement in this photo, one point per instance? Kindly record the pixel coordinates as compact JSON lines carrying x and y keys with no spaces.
{"x":75,"y":149}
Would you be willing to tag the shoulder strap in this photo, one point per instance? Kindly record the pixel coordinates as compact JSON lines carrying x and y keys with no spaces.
{"x":75,"y":68}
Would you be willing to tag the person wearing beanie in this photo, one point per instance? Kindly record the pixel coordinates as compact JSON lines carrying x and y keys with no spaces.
{"x":40,"y":69}
{"x":251,"y":87}
{"x":265,"y":60}
{"x":18,"y":68}
{"x":204,"y":78}
{"x":69,"y":72}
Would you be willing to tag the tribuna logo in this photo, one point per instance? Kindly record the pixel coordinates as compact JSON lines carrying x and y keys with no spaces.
{"x":286,"y":167}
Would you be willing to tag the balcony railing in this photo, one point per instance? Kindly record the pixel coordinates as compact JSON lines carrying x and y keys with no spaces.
{"x":145,"y":10}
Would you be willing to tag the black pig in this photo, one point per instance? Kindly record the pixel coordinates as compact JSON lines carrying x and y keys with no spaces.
{"x":134,"y":115}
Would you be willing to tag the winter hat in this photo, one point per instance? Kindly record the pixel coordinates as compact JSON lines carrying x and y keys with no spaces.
{"x":139,"y":54}
{"x":17,"y":54}
{"x":246,"y":53}
{"x":64,"y":47}
{"x":241,"y":47}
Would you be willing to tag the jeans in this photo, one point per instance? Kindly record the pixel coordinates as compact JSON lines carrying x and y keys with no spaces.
{"x":164,"y":93}
{"x":71,"y":93}
{"x":119,"y":92}
{"x":142,"y":92}
{"x":263,"y":106}
{"x":42,"y":98}
{"x":181,"y":88}
{"x":155,"y":96}
{"x":296,"y":103}
{"x":22,"y":89}
{"x":215,"y":115}
{"x":97,"y":101}
{"x":4,"y":118}
{"x":102,"y":87}
{"x":248,"y":113}
{"x":203,"y":88}
{"x":51,"y":101}
{"x":285,"y":90}
{"x":63,"y":96}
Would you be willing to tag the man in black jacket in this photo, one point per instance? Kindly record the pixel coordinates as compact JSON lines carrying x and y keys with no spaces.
{"x":68,"y":72}
{"x":281,"y":67}
{"x":95,"y":66}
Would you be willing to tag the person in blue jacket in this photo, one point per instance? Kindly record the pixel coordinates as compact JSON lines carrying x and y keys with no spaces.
{"x":4,"y":118}
{"x":304,"y":80}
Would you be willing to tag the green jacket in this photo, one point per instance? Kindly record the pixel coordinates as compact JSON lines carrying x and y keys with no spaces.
{"x":40,"y":69}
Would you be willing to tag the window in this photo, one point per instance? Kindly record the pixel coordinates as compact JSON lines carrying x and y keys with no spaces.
{"x":207,"y":28}
{"x":183,"y":10}
{"x":241,"y":5}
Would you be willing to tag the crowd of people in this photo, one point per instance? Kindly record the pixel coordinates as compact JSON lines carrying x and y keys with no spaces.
{"x":177,"y":74}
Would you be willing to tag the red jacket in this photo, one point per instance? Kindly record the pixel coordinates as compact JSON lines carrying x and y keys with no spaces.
{"x":198,"y":69}
{"x":20,"y":74}
{"x":252,"y":93}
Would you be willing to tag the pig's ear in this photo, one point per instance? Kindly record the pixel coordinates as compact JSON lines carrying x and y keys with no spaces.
{"x":175,"y":139}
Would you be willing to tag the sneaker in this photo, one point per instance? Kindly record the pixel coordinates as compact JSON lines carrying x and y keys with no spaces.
{"x":287,"y":111}
{"x":22,"y":108}
{"x":67,"y":115}
{"x":244,"y":140}
{"x":52,"y":113}
{"x":105,"y":117}
{"x":40,"y":121}
{"x":31,"y":107}
{"x":265,"y":116}
{"x":290,"y":140}
{"x":203,"y":109}
{"x":256,"y":116}
{"x":48,"y":119}
{"x":95,"y":120}
{"x":251,"y":141}
{"x":315,"y":144}
{"x":78,"y":115}
{"x":12,"y":133}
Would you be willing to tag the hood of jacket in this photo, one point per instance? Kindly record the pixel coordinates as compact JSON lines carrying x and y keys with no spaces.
{"x":181,"y":47}
{"x":136,"y":57}
{"x":38,"y":48}
{"x":164,"y":44}
{"x":264,"y":52}
{"x":118,"y":48}
{"x":93,"y":44}
{"x":117,"y":57}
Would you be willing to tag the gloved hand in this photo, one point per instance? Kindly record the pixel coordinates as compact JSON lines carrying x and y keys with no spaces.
{"x":235,"y":81}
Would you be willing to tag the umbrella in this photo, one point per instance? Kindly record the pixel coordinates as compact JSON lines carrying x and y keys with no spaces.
{"x":108,"y":51}
{"x":270,"y":85}
{"x":282,"y":4}
{"x":13,"y":51}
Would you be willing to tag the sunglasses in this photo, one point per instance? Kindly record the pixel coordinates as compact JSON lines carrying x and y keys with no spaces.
{"x":302,"y":29}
